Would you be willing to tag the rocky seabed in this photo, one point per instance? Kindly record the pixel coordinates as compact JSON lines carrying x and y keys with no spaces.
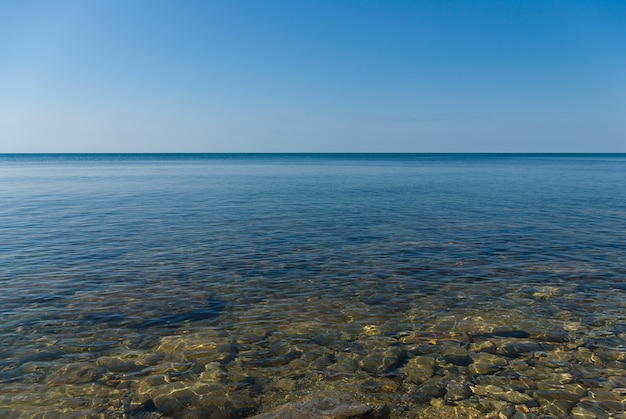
{"x":496,"y":372}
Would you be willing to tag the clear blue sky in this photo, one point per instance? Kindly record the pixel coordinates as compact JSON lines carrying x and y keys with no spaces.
{"x":312,"y":76}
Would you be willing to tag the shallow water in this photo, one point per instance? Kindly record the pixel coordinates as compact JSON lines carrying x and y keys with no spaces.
{"x":224,"y":285}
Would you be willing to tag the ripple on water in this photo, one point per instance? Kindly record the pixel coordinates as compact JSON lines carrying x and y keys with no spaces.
{"x":417,"y":289}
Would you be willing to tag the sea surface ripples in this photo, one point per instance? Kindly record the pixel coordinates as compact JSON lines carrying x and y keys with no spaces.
{"x":223,"y":286}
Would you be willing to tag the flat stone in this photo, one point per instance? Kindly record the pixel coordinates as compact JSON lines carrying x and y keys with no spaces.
{"x":591,"y":406}
{"x":500,"y":393}
{"x":433,"y":387}
{"x":610,"y":401}
{"x":77,"y":373}
{"x":147,"y":410}
{"x":558,"y":408}
{"x":486,"y":363}
{"x":456,"y":391}
{"x":588,"y":412}
{"x":484,"y":346}
{"x":115,"y":364}
{"x":381,"y":362}
{"x":514,"y":348}
{"x":550,"y":335}
{"x":325,"y":407}
{"x":420,"y":368}
{"x":556,"y":395}
{"x":456,"y":355}
{"x":175,"y":402}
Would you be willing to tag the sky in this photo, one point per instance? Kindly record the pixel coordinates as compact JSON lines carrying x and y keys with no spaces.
{"x":312,"y":76}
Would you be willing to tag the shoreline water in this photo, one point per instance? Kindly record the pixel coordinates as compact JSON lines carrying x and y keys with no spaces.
{"x":470,"y":286}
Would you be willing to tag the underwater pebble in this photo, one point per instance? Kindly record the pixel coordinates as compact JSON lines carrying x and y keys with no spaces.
{"x":382,"y":361}
{"x":486,"y":363}
{"x":500,"y":393}
{"x":419,"y":368}
{"x":326,"y":407}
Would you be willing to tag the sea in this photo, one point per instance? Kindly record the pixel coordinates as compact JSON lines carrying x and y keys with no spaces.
{"x":233,"y":285}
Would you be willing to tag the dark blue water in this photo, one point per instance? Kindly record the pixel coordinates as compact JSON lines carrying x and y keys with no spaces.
{"x":117,"y":256}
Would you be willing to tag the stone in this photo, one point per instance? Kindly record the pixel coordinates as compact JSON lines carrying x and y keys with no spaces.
{"x":147,"y":410}
{"x":456,"y":355}
{"x":380,"y":384}
{"x":486,"y":363}
{"x":115,"y":364}
{"x":484,"y":346}
{"x":515,"y":382}
{"x":588,"y":412}
{"x":514,"y":348}
{"x":558,"y":408}
{"x":175,"y":402}
{"x":556,"y":395}
{"x":265,"y":361}
{"x":456,"y":391}
{"x":77,"y":373}
{"x":610,"y":401}
{"x":380,"y":362}
{"x":419,"y":369}
{"x":324,"y":407}
{"x":550,"y":335}
{"x":500,"y":393}
{"x":433,"y":387}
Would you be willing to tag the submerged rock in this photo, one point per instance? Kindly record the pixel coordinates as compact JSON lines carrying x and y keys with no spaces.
{"x":211,"y":309}
{"x":325,"y":407}
{"x":148,"y":410}
{"x":486,"y":363}
{"x":384,"y":361}
{"x":514,"y":348}
{"x":420,"y":368}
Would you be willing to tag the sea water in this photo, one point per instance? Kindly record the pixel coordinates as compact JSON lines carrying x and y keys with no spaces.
{"x":222,"y":286}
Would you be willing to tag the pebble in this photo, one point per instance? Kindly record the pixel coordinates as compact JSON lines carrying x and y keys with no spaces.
{"x":456,"y":355}
{"x":486,"y":363}
{"x":419,"y":368}
{"x":500,"y":393}
{"x":514,"y":348}
{"x":326,"y":407}
{"x":115,"y":364}
{"x":456,"y":391}
{"x":175,"y":402}
{"x":383,"y":361}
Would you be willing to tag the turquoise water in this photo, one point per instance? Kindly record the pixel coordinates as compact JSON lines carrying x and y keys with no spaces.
{"x":224,"y":285}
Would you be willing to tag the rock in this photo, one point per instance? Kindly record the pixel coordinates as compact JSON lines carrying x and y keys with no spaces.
{"x":384,"y":361}
{"x":433,"y":387}
{"x":583,"y":411}
{"x":380,"y":384}
{"x":559,"y":408}
{"x":514,"y":348}
{"x":518,"y":383}
{"x":325,"y":407}
{"x":334,"y":340}
{"x":212,"y":308}
{"x":556,"y":395}
{"x":609,"y":401}
{"x":148,"y":410}
{"x":500,"y":393}
{"x":456,"y":355}
{"x":420,"y":368}
{"x":76,"y":373}
{"x":550,"y":335}
{"x":486,"y":363}
{"x":484,"y":346}
{"x":265,"y":361}
{"x":175,"y":402}
{"x":456,"y":391}
{"x":114,"y":364}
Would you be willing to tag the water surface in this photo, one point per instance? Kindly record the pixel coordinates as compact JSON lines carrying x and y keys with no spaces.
{"x":224,"y":285}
